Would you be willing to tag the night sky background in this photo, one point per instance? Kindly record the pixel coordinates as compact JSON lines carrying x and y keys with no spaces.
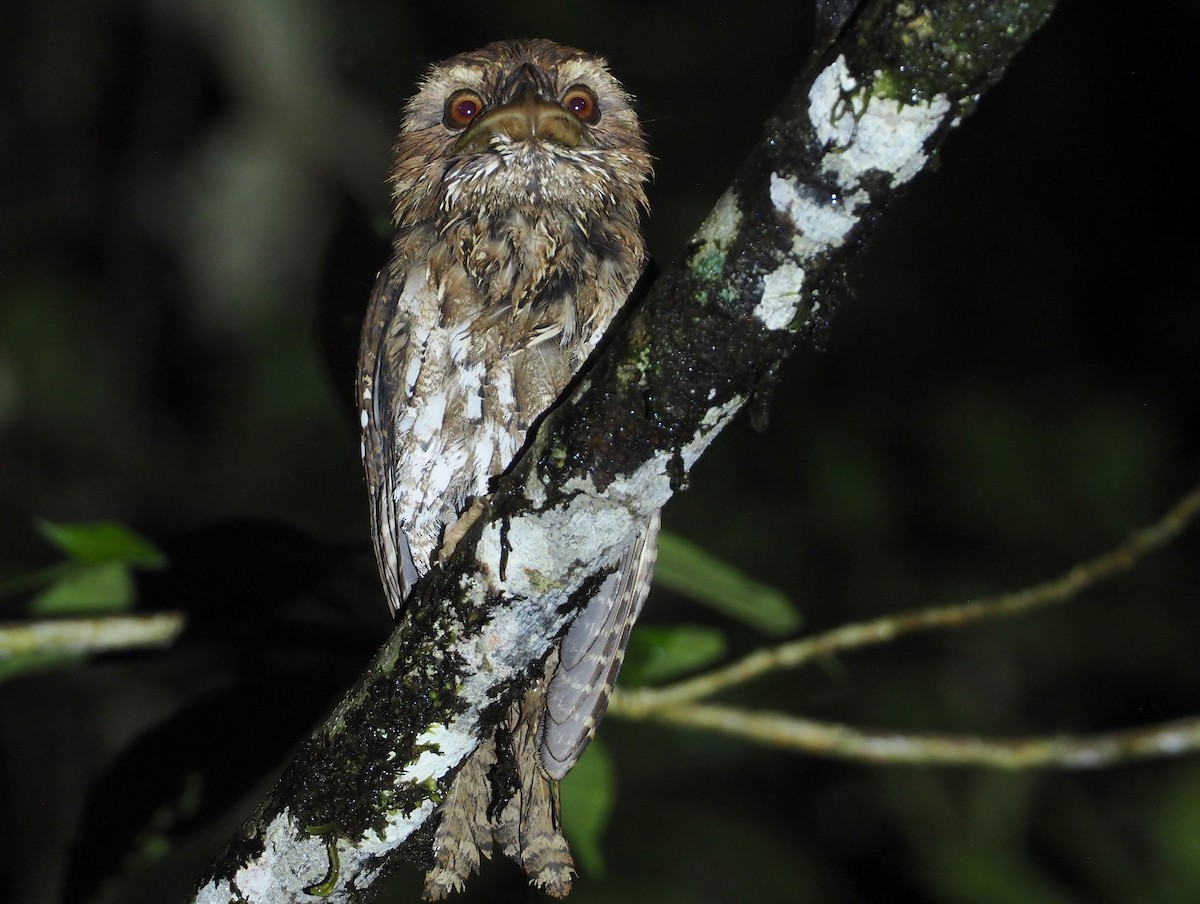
{"x":192,"y":213}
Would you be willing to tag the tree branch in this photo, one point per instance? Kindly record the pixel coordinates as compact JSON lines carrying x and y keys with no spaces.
{"x":782,"y":730}
{"x":645,"y":702}
{"x":767,"y":266}
{"x":674,"y":704}
{"x":90,"y":635}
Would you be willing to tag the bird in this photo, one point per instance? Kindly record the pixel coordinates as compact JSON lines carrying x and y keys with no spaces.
{"x":518,"y":192}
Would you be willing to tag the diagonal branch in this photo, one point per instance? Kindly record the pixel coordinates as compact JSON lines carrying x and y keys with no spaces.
{"x":766,"y":267}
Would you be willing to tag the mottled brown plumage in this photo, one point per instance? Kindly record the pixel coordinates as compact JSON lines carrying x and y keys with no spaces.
{"x":517,"y":190}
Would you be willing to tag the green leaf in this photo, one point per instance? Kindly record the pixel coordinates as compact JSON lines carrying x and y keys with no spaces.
{"x":14,"y":581}
{"x":86,"y":589}
{"x":964,"y":871}
{"x":659,"y":654}
{"x":689,"y":570}
{"x":1175,"y":838}
{"x":23,"y":663}
{"x":102,"y":542}
{"x":587,"y":801}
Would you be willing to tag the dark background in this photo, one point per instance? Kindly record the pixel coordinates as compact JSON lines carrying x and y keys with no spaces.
{"x":191,"y":216}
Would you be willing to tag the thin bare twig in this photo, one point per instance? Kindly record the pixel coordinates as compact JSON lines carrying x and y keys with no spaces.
{"x":90,"y":635}
{"x":780,"y":730}
{"x":643,"y":702}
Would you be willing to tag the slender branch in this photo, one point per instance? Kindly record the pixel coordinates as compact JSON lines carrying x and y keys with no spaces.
{"x":781,"y":730}
{"x":90,"y":635}
{"x":643,"y":702}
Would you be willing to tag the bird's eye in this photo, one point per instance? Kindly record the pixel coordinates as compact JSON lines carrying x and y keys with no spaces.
{"x":581,"y":100}
{"x":461,"y":107}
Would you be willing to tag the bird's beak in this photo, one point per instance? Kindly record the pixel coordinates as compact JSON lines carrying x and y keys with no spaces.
{"x":527,"y":117}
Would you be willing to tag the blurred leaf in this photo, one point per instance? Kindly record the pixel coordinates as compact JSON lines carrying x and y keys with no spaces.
{"x":86,"y":589}
{"x":96,"y":578}
{"x":14,"y":581}
{"x":659,"y":654}
{"x":689,"y":570}
{"x":993,"y":874}
{"x":14,"y":666}
{"x":587,"y":802}
{"x":155,"y":841}
{"x":102,"y":542}
{"x":1175,"y":838}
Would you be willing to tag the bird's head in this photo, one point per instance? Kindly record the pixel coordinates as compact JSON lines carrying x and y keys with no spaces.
{"x":519,"y":126}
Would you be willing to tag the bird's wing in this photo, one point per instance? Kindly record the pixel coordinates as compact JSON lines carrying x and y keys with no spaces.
{"x":382,"y":364}
{"x":591,"y":654}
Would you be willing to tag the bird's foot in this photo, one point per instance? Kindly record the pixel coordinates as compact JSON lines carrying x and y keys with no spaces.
{"x":456,"y":531}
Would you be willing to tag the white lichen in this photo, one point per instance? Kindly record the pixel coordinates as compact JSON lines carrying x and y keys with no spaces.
{"x":714,"y":237}
{"x":823,"y":221}
{"x":438,"y":745}
{"x":711,"y":424}
{"x":831,"y":92}
{"x":399,"y":826}
{"x":862,"y":133}
{"x":865,"y":132}
{"x":780,"y":297}
{"x":289,"y":860}
{"x":722,"y":223}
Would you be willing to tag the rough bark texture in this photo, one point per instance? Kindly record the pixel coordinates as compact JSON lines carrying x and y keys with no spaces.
{"x":765,"y":269}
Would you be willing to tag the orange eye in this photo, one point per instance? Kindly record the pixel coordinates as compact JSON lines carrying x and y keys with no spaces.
{"x":581,"y":100}
{"x":461,"y":107}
